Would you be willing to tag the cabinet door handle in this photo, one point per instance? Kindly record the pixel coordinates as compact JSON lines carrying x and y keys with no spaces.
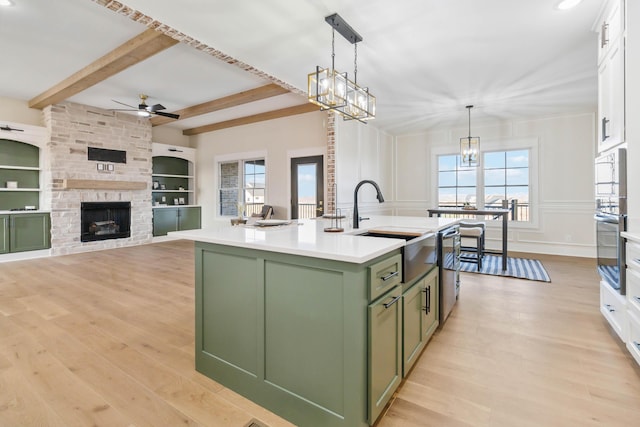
{"x":637,"y":298}
{"x":390,"y":275}
{"x":427,"y":299}
{"x":604,"y":37}
{"x":393,"y":301}
{"x":605,"y":121}
{"x":611,"y":309}
{"x":637,"y":344}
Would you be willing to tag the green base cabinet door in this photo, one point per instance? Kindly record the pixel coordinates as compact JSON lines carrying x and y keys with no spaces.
{"x":164,"y":221}
{"x":175,"y":219}
{"x":29,"y":232}
{"x":420,"y":318}
{"x":189,"y":218}
{"x":4,"y":234}
{"x":385,"y":351}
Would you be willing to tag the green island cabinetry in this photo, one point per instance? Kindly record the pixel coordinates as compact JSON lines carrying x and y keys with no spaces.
{"x":173,"y":190}
{"x":420,"y":317}
{"x":317,"y":341}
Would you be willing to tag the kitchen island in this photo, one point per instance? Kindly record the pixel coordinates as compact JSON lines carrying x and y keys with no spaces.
{"x":306,"y":323}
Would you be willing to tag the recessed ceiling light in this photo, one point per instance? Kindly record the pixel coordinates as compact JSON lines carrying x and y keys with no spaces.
{"x":6,"y":3}
{"x":567,"y":4}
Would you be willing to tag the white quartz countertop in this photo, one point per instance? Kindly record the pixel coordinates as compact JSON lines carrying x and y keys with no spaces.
{"x":308,"y":238}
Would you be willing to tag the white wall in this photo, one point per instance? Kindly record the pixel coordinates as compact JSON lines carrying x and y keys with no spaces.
{"x":363,"y":152}
{"x":276,"y":138}
{"x":563,"y":219}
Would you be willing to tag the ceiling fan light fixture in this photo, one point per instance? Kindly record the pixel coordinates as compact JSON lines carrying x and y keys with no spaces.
{"x":143,"y":113}
{"x":567,"y":4}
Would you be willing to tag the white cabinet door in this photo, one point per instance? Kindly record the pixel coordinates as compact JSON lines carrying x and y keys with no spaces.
{"x":611,"y":112}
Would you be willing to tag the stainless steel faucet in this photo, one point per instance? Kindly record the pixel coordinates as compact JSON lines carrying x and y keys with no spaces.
{"x":356,"y":216}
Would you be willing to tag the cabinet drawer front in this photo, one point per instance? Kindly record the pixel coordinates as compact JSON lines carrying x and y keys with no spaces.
{"x":633,"y":253}
{"x":613,"y":308}
{"x":633,"y":290}
{"x":384,"y":275}
{"x":633,"y":344}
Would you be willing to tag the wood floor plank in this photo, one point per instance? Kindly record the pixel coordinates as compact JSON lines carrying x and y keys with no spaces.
{"x":107,"y":338}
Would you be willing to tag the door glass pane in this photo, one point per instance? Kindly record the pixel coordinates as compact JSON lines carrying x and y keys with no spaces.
{"x":447,"y":163}
{"x":307,"y":186}
{"x":447,"y":179}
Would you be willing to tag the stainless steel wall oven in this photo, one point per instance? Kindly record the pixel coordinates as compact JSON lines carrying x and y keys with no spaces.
{"x":611,"y":217}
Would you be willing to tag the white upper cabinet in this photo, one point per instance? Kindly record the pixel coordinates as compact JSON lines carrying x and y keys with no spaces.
{"x":611,"y":76}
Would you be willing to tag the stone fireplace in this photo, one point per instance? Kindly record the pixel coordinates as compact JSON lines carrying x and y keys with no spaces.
{"x":73,"y":180}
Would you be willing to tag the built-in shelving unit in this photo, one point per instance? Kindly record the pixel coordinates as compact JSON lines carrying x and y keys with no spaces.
{"x":174,"y":189}
{"x":19,"y":175}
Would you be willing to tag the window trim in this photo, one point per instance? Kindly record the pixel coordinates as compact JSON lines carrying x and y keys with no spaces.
{"x":504,"y":144}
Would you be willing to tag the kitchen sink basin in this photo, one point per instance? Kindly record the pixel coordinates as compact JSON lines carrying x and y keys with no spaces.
{"x":418,"y":253}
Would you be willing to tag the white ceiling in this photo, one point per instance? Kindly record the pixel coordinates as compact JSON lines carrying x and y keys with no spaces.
{"x":423,"y":59}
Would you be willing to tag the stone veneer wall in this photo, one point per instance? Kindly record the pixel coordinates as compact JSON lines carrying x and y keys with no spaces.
{"x":72,"y":129}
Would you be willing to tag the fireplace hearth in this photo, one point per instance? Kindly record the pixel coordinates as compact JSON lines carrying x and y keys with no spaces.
{"x":105,"y":220}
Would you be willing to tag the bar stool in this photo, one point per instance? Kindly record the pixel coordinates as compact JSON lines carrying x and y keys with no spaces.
{"x":472,"y":230}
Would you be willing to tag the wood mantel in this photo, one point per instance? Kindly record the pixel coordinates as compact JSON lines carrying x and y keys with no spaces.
{"x":98,"y":184}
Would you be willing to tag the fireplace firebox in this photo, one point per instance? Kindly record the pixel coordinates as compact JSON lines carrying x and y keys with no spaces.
{"x":105,"y":220}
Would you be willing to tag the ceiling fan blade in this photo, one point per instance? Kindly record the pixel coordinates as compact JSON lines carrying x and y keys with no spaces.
{"x":122,"y":103}
{"x":170,"y":115}
{"x":157,"y":107}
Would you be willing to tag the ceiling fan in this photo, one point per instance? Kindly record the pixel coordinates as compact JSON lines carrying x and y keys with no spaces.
{"x":145,"y":110}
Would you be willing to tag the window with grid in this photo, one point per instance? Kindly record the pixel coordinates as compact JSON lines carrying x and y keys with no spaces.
{"x":457,"y":184}
{"x":503,"y":175}
{"x":241,"y":185}
{"x":506,"y":177}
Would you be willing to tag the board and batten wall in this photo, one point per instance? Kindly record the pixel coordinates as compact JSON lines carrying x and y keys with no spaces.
{"x":404,"y":167}
{"x":277,"y":140}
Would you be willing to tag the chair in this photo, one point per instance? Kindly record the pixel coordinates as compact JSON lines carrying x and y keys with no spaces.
{"x":265,"y":213}
{"x":472,"y":230}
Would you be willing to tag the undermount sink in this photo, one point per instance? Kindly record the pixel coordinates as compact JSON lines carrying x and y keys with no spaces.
{"x":389,"y":235}
{"x":418,"y":254}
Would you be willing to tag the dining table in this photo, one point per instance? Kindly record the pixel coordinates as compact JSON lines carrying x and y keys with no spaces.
{"x":504,"y":213}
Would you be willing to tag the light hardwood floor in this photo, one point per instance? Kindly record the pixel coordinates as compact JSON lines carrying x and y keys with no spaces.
{"x":107,"y":339}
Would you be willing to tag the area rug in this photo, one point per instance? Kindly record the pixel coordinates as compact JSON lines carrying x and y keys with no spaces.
{"x":521,"y":268}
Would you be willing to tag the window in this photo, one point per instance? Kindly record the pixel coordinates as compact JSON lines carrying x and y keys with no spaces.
{"x":241,"y":183}
{"x":456,"y":184}
{"x":506,"y":177}
{"x":503,"y":175}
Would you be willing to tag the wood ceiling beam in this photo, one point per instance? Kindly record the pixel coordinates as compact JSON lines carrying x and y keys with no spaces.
{"x":234,"y":100}
{"x":139,"y":48}
{"x":269,"y":115}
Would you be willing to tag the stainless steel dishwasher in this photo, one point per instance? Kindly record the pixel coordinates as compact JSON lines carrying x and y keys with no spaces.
{"x":448,"y":269}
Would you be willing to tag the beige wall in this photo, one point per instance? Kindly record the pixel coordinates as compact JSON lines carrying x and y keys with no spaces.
{"x":16,"y":111}
{"x":278,"y":139}
{"x":170,"y":136}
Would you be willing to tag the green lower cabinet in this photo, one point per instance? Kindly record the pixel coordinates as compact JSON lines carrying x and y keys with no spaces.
{"x":4,"y":234}
{"x":290,"y":333}
{"x":175,"y":219}
{"x":420,"y":318}
{"x":385,"y":350}
{"x":29,"y":232}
